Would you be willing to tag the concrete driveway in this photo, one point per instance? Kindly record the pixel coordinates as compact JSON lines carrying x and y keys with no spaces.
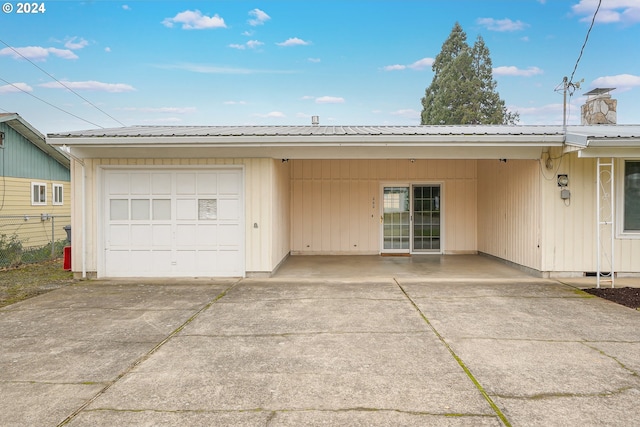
{"x":283,"y":352}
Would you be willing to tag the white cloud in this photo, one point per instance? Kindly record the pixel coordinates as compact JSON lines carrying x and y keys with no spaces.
{"x":515,"y":71}
{"x":235,"y":103}
{"x":126,"y":7}
{"x":90,"y":85}
{"x":272,"y":115}
{"x":107,"y":49}
{"x":74,"y":43}
{"x":330,"y":100}
{"x":394,"y":67}
{"x":626,"y":11}
{"x":37,"y":53}
{"x":195,"y":20}
{"x":501,"y":25}
{"x":622,"y":82}
{"x":259,"y":17}
{"x":293,"y":41}
{"x":15,"y":87}
{"x":421,"y":64}
{"x":314,"y":60}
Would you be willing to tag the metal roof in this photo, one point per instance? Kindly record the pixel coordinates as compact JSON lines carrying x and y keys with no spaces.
{"x":461,"y":141}
{"x":301,"y":131}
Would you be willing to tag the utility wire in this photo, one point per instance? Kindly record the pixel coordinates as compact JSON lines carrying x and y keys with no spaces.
{"x":62,"y":84}
{"x":50,"y":104}
{"x":593,"y":20}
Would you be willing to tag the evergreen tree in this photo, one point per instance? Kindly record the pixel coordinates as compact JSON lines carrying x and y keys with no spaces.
{"x":463,"y":90}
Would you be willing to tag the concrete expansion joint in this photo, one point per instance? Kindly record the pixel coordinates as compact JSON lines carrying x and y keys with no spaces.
{"x":459,"y":360}
{"x":146,"y":356}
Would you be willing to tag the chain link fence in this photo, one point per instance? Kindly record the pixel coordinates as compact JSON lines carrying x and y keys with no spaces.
{"x":26,"y":239}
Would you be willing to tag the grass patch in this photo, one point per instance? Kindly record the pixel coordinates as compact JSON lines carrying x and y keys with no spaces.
{"x":29,"y":280}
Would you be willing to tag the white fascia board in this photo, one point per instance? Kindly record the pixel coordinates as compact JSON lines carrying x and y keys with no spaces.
{"x":318,"y":140}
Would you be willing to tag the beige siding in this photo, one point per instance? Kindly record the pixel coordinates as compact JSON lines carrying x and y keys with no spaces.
{"x":18,"y":217}
{"x":281,"y":219}
{"x":260,"y":188}
{"x":509,"y":210}
{"x":335,"y":204}
{"x":570,"y":230}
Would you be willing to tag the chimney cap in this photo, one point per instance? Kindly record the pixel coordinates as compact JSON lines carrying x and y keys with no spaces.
{"x":600,"y":91}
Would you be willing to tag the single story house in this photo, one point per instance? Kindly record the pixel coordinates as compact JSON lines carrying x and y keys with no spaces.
{"x":34,"y":184}
{"x":187,"y":201}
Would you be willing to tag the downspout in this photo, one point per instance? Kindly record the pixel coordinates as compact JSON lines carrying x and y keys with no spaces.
{"x":83,"y":212}
{"x":84,"y":223}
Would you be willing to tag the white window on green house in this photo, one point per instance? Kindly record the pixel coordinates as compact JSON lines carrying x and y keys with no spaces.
{"x":58,"y":194}
{"x":631,"y":215}
{"x":38,"y":193}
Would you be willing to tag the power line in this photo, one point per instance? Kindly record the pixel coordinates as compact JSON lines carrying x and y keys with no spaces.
{"x":50,"y":104}
{"x":593,"y":20}
{"x":64,"y":85}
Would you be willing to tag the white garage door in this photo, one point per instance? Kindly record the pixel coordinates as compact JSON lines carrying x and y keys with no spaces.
{"x":173,"y":223}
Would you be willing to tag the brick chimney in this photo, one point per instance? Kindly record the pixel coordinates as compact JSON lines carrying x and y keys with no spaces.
{"x":599,"y":109}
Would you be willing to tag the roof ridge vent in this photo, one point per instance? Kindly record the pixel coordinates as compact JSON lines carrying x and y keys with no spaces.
{"x":315,"y":120}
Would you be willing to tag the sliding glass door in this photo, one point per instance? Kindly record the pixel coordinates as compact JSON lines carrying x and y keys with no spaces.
{"x":395,"y":219}
{"x":411,"y":218}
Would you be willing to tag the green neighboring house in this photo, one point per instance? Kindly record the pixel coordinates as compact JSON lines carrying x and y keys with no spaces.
{"x":35,"y":187}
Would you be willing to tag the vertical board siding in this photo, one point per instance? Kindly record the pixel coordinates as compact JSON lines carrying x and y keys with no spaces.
{"x":509,"y":210}
{"x":335,"y":204}
{"x":570,"y":228}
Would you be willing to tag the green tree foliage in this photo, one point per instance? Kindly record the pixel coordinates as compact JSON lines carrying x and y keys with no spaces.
{"x":463,"y":90}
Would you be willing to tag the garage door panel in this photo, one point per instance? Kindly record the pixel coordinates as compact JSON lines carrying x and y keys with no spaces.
{"x":228,"y":261}
{"x":186,"y":209}
{"x":161,"y":261}
{"x":186,"y":183}
{"x":141,"y":262}
{"x":118,"y":183}
{"x":141,"y":235}
{"x":207,"y":235}
{"x":207,"y":183}
{"x":228,"y":183}
{"x":119,"y":235}
{"x":228,"y":209}
{"x":161,"y":183}
{"x":161,"y":235}
{"x":140,"y":183}
{"x":118,"y":261}
{"x":186,"y":235}
{"x":228,"y":234}
{"x":186,"y":262}
{"x":173,"y":223}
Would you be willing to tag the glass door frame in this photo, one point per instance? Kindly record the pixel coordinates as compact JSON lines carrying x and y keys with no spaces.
{"x":410,"y":186}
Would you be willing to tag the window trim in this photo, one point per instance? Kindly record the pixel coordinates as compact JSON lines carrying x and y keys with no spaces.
{"x":55,"y":201}
{"x":621,"y":233}
{"x":39,"y":186}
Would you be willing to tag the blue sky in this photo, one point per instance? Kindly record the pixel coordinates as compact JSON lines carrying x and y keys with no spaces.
{"x":277,"y":62}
